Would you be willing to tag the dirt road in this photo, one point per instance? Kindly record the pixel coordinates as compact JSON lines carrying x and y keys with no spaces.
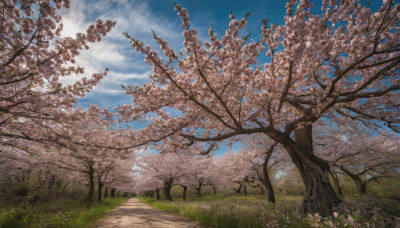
{"x":135,"y":214}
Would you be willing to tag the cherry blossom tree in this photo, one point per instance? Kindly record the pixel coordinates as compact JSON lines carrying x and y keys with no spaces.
{"x":34,"y":59}
{"x":146,"y":183}
{"x":238,"y":168}
{"x":198,"y":174}
{"x":343,"y":63}
{"x":271,"y":156}
{"x":360,"y":153}
{"x":166,"y":168}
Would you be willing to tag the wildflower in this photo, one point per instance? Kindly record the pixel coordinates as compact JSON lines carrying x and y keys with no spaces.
{"x":335,"y":214}
{"x":350,"y":219}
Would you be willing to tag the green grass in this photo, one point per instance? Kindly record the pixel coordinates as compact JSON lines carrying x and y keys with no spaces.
{"x":227,"y":210}
{"x":253,"y":211}
{"x":57,"y":214}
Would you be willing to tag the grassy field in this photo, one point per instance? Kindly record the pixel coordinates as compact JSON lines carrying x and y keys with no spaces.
{"x":227,"y":210}
{"x":66,"y":213}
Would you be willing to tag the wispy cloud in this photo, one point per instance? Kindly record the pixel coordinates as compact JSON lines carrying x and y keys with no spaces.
{"x":114,"y":51}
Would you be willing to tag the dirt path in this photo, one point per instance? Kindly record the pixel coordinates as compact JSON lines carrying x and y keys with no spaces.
{"x":136,"y":214}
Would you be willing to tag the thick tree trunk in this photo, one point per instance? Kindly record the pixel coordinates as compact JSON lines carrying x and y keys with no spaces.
{"x":320,"y":196}
{"x":158,"y":193}
{"x":167,"y":189}
{"x":91,"y":184}
{"x":184,"y":192}
{"x":125,"y":194}
{"x":105,"y":193}
{"x":362,"y":189}
{"x":361,"y":186}
{"x":118,"y":193}
{"x":112,"y":192}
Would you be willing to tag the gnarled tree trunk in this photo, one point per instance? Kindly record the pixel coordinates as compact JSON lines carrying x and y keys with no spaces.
{"x":320,"y":196}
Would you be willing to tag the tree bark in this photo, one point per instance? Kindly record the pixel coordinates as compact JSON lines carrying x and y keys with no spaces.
{"x":112,"y":192}
{"x":105,"y":192}
{"x":337,"y":184}
{"x":320,"y":196}
{"x":214,"y":189}
{"x":158,"y":193}
{"x":198,"y":189}
{"x":266,"y":180}
{"x":362,"y":189}
{"x":167,"y":189}
{"x":244,"y":189}
{"x":238,"y":191}
{"x":91,"y":184}
{"x":361,"y":186}
{"x":99,"y":187}
{"x":184,"y":192}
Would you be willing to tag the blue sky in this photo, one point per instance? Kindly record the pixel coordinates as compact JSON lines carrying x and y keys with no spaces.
{"x":138,"y":18}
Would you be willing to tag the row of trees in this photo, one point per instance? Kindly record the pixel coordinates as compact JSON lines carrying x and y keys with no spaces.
{"x":367,"y":158}
{"x":336,"y":66}
{"x":44,"y":138}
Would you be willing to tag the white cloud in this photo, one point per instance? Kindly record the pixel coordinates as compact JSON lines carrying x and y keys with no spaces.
{"x":114,"y":51}
{"x":122,"y":76}
{"x":103,"y":90}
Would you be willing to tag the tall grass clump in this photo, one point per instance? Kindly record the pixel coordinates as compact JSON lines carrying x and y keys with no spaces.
{"x":236,"y":211}
{"x":62,"y":213}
